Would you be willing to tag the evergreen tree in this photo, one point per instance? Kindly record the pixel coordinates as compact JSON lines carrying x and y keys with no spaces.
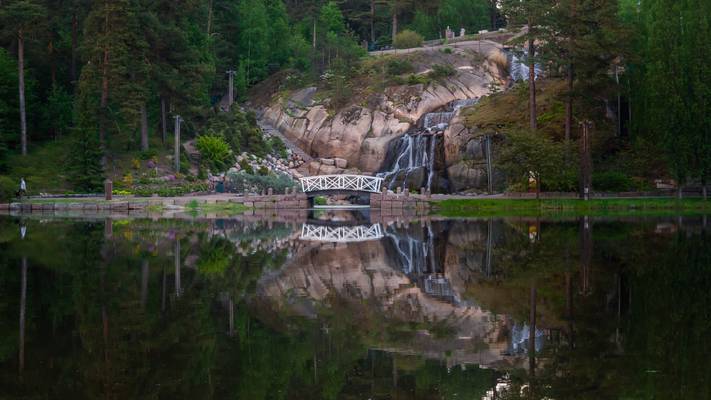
{"x":672,"y":84}
{"x":21,"y":18}
{"x":584,"y":38}
{"x":533,"y":14}
{"x":84,"y":169}
{"x":116,"y":53}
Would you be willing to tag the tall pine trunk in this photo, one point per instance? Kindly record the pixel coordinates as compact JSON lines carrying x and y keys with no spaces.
{"x":163,"y":125}
{"x":394,"y":24}
{"x":21,"y":87}
{"x":209,"y":19}
{"x":538,"y":186}
{"x":73,"y":65}
{"x":372,"y":21}
{"x":103,"y":105}
{"x":144,"y":127}
{"x":492,"y":12}
{"x":569,"y":105}
{"x":532,"y":83}
{"x":23,"y":313}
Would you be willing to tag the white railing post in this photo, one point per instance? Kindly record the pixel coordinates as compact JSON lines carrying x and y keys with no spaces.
{"x":358,"y":183}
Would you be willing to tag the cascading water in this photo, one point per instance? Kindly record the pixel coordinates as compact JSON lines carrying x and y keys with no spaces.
{"x":410,"y":161}
{"x":519,"y":70}
{"x":416,"y":257}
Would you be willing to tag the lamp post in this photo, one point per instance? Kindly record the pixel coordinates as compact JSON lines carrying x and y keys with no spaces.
{"x":231,"y":74}
{"x":178,"y":120}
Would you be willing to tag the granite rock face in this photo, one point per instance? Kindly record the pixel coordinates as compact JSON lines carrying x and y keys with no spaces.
{"x":360,"y":133}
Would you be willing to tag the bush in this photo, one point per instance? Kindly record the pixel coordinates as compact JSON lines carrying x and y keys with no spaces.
{"x":241,"y":181}
{"x":417,"y":79}
{"x":215,"y":152}
{"x":148,"y":154}
{"x":170,"y":191}
{"x":441,"y":71}
{"x":239,"y":130}
{"x":398,"y":66}
{"x":612,"y":181}
{"x":246,"y":167}
{"x":7,"y":189}
{"x":407,"y":39}
{"x":278,"y":146}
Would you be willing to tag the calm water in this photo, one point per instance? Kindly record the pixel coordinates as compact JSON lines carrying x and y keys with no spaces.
{"x":580,"y":308}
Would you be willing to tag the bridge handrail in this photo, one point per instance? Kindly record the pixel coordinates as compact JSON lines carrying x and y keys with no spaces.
{"x":341,"y":234}
{"x":360,"y":183}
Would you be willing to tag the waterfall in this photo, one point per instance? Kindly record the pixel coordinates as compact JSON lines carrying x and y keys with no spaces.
{"x":417,"y":259}
{"x":410,"y":160}
{"x":413,"y":254}
{"x":519,"y":339}
{"x":519,"y":70}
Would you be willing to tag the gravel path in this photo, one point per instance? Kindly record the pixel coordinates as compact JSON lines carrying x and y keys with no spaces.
{"x":272,"y":131}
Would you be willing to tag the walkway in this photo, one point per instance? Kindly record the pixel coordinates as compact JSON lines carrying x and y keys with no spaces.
{"x":270,"y":130}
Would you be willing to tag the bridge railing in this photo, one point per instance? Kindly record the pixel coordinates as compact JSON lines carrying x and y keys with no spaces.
{"x":360,"y":183}
{"x":341,"y":234}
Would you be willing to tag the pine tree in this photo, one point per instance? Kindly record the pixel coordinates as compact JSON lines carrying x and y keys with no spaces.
{"x":532,"y":13}
{"x":84,"y":170}
{"x":116,"y":54}
{"x":584,"y":38}
{"x":671,"y":87}
{"x":22,"y":18}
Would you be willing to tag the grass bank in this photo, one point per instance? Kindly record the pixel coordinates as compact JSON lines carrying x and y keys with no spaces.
{"x":222,"y":208}
{"x":552,"y":207}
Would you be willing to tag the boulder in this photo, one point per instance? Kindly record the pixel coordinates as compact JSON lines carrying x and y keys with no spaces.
{"x":340,"y":162}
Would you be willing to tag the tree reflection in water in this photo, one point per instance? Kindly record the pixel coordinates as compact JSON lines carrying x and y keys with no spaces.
{"x":184,"y":309}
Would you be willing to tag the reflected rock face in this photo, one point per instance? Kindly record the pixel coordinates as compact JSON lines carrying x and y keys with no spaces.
{"x":414,"y":277}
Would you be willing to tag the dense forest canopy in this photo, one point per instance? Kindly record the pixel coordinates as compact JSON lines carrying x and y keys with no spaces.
{"x":109,"y":76}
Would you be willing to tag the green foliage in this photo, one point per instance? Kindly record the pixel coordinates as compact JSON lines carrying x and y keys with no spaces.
{"x":239,"y":130}
{"x":473,"y":15}
{"x":8,"y":188}
{"x":242,"y":181}
{"x":320,"y":201}
{"x":407,"y":39}
{"x":440,"y":71}
{"x":418,"y":79}
{"x":167,"y":190}
{"x":246,"y":167}
{"x":399,"y":66}
{"x":527,"y":153}
{"x":84,"y":170}
{"x":612,"y":181}
{"x":671,"y":83}
{"x":215,"y":153}
{"x":58,"y":111}
{"x":9,"y":120}
{"x":277,"y":146}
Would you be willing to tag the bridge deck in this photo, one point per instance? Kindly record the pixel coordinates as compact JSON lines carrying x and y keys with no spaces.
{"x":341,"y":183}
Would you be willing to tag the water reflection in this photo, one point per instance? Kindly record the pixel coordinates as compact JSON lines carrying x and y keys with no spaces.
{"x":491,"y":308}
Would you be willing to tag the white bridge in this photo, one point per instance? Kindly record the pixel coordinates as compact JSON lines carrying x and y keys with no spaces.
{"x":341,"y":234}
{"x":325,"y":183}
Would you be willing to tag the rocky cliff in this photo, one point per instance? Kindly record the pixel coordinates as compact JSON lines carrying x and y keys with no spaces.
{"x":376,"y":277}
{"x":361,"y":131}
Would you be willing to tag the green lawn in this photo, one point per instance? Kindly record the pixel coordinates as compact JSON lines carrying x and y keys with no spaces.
{"x":638,"y":206}
{"x":222,"y":208}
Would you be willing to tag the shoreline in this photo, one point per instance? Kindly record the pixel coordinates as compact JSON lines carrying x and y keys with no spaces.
{"x":441,"y":205}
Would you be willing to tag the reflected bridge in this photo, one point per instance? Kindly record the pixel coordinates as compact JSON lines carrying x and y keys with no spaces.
{"x":341,"y":234}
